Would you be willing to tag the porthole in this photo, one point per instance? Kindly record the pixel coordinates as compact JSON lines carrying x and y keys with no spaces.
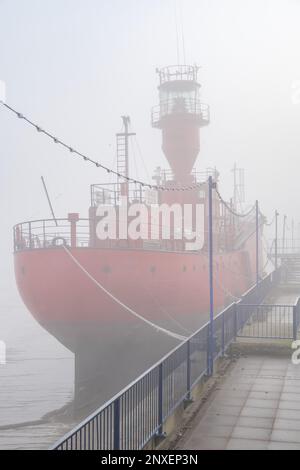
{"x":106,"y":269}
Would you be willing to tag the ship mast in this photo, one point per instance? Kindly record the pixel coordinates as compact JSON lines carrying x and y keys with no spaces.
{"x":239,"y":187}
{"x":123,"y":156}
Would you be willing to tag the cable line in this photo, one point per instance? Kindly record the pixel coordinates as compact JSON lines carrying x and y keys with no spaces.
{"x":122,"y":304}
{"x":86,"y":158}
{"x":245,"y":214}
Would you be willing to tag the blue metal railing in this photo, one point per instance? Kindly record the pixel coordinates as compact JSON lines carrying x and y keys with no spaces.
{"x":296,"y":318}
{"x":137,"y":414}
{"x":269,"y":321}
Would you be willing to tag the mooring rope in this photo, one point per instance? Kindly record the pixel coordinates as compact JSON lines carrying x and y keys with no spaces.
{"x":119,"y":302}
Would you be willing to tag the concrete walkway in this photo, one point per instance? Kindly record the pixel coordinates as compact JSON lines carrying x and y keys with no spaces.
{"x":256,"y":406}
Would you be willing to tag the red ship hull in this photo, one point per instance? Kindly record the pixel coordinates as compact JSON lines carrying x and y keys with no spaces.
{"x":170,"y":289}
{"x":56,"y":290}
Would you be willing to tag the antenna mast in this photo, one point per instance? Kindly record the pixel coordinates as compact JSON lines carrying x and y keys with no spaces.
{"x":123,"y":154}
{"x":238,"y":186}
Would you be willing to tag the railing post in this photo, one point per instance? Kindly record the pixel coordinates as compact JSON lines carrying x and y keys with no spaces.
{"x":283,"y":234}
{"x":276,"y":240}
{"x":15,"y":242}
{"x":235,"y":320}
{"x":207,"y":353}
{"x":44,"y":235}
{"x":257,"y":242}
{"x":223,"y":333}
{"x":211,"y":185}
{"x":30,"y":235}
{"x":160,"y":399}
{"x":117,"y":424}
{"x":188,"y":371}
{"x":295,"y":326}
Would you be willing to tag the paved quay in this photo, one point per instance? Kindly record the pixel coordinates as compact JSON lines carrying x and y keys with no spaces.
{"x":255,"y":406}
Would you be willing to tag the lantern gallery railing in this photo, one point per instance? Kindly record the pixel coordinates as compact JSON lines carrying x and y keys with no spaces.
{"x":182,"y":106}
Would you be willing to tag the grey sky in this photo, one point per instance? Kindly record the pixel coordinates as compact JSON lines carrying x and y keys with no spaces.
{"x":75,"y":66}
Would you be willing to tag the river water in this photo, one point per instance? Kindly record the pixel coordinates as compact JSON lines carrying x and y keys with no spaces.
{"x":36,"y":379}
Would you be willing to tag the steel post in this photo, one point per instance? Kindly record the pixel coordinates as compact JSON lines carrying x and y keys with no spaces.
{"x":276,"y":240}
{"x":188,"y":371}
{"x":211,"y":280}
{"x":117,"y":424}
{"x":160,"y":399}
{"x":295,"y":326}
{"x":257,"y":243}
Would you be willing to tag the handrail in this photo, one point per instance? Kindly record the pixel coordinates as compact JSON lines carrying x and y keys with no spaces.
{"x":41,"y":233}
{"x":174,"y":106}
{"x":269,"y":321}
{"x":178,"y":72}
{"x":109,"y":193}
{"x":160,"y":367}
{"x":46,"y":220}
{"x":288,"y":246}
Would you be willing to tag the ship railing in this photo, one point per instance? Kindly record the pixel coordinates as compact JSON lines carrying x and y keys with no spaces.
{"x":49,"y":233}
{"x":110,"y":193}
{"x":167,"y":175}
{"x":178,"y":73}
{"x":180,"y":106}
{"x":136,"y":415}
{"x":202,"y":176}
{"x":269,"y":321}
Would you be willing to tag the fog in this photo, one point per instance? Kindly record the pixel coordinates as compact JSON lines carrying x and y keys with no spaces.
{"x":75,"y":67}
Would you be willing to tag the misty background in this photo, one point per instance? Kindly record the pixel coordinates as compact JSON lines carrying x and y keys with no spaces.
{"x":76,"y":66}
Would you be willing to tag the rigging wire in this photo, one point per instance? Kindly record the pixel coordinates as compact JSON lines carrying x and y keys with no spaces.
{"x":135,"y":140}
{"x":268,"y":224}
{"x":268,"y":249}
{"x":72,"y":150}
{"x":176,"y":30}
{"x":134,"y":159}
{"x":224,"y":289}
{"x":182,"y":32}
{"x":88,"y":159}
{"x":119,"y":302}
{"x":115,"y":157}
{"x":167,"y":314}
